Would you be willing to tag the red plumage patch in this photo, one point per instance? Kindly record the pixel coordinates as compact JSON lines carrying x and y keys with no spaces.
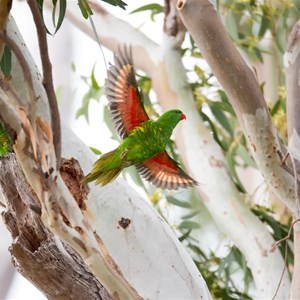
{"x":164,"y":172}
{"x":125,"y":101}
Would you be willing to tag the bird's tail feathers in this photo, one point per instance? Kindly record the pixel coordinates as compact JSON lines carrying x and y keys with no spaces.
{"x":108,"y":176}
{"x":97,"y":173}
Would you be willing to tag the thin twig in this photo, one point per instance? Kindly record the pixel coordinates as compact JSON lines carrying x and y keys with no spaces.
{"x":26,"y":72}
{"x":283,"y":271}
{"x":47,"y":78}
{"x":98,"y":40}
{"x":286,"y":238}
{"x":2,"y":204}
{"x":296,"y":184}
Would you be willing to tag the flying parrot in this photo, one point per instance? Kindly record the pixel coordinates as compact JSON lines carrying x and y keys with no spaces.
{"x":144,"y":140}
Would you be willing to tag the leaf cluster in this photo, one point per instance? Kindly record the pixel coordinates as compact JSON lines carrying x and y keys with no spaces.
{"x":94,"y":92}
{"x":5,"y":142}
{"x":249,"y":21}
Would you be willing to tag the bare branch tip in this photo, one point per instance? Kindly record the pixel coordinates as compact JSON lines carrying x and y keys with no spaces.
{"x":180,"y":4}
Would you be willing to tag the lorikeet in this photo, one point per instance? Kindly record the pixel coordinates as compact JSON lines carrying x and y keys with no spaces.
{"x":144,"y":140}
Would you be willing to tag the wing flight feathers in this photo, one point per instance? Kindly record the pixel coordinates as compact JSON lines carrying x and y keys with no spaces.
{"x":165,"y":173}
{"x":125,"y":100}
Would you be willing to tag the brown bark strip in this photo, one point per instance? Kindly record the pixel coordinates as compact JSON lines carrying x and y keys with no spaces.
{"x":26,"y":73}
{"x":47,"y":78}
{"x":173,"y":25}
{"x":40,"y":257}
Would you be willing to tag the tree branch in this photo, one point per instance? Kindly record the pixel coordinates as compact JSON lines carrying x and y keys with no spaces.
{"x":47,"y":77}
{"x":292,"y":67}
{"x":239,"y":83}
{"x":37,"y":254}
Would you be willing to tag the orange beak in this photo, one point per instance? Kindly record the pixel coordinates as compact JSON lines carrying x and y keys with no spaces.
{"x":182,"y":116}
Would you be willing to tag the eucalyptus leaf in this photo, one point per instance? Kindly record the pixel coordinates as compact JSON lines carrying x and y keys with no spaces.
{"x":190,"y":215}
{"x":221,"y":118}
{"x":96,"y":151}
{"x":189,"y":225}
{"x":62,"y":13}
{"x":245,"y":156}
{"x":264,"y":25}
{"x":231,"y":25}
{"x":185,"y":235}
{"x":5,"y":142}
{"x":231,"y":165}
{"x":5,"y":63}
{"x":116,"y":3}
{"x":155,"y":8}
{"x":177,"y":202}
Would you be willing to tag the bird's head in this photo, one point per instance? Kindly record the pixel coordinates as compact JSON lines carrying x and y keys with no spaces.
{"x":172,"y":117}
{"x":176,"y":114}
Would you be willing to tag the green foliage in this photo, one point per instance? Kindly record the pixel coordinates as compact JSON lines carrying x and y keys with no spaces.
{"x":119,"y":3}
{"x":5,"y":63}
{"x":62,"y":12}
{"x":249,"y":21}
{"x":154,"y":9}
{"x":60,"y":6}
{"x":94,"y":92}
{"x":96,"y":151}
{"x":278,"y":230}
{"x":5,"y":142}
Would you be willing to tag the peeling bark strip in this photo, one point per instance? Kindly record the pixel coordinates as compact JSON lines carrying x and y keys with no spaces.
{"x":47,"y":78}
{"x":36,"y":253}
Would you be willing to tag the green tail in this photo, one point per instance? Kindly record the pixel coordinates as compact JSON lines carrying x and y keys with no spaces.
{"x":97,"y":173}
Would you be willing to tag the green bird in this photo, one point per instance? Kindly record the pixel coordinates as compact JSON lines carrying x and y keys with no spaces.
{"x":144,"y":140}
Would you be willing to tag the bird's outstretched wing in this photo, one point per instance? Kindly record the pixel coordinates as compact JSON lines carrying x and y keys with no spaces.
{"x":164,"y":172}
{"x":125,"y":100}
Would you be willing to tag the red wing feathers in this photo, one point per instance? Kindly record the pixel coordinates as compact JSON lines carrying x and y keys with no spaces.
{"x":125,"y":101}
{"x":164,"y":172}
